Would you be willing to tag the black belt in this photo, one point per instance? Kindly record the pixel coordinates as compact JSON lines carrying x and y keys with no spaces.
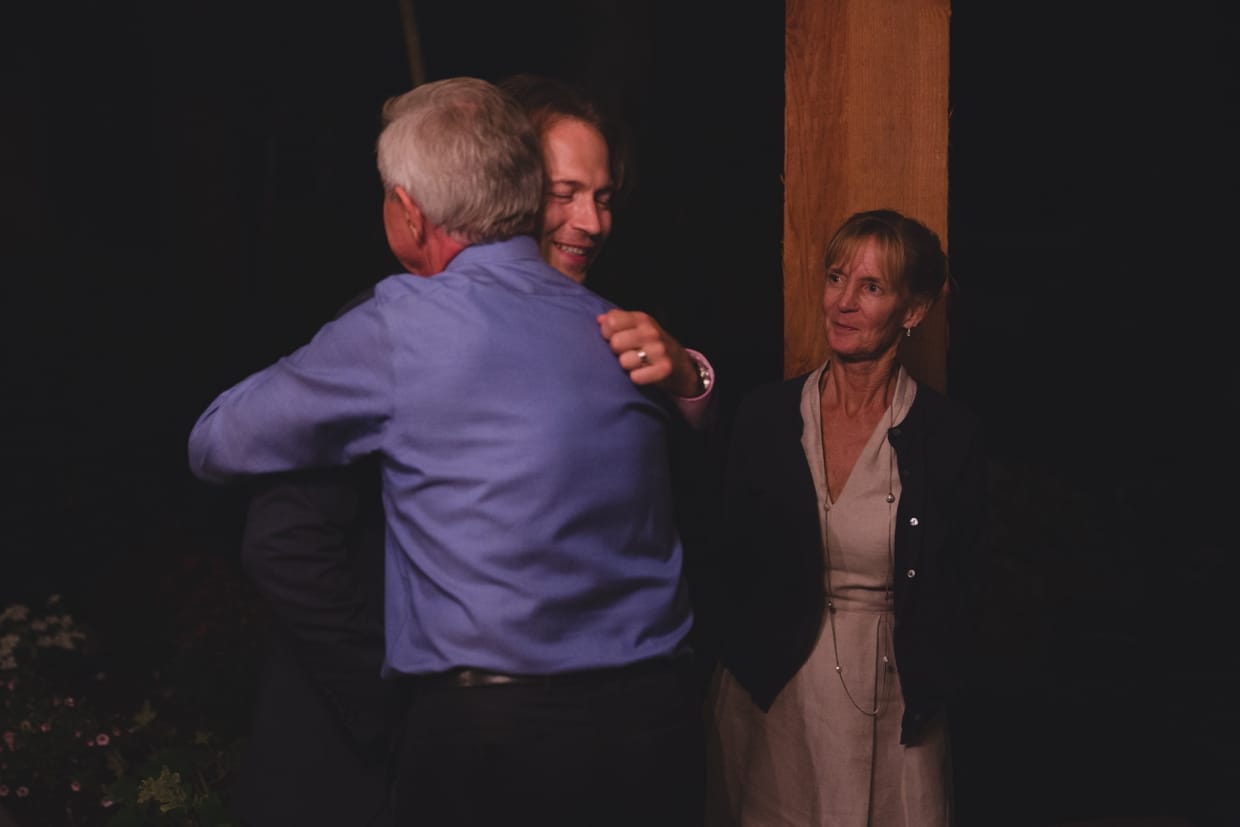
{"x":467,"y":677}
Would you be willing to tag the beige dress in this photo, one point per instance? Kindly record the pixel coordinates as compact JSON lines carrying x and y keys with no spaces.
{"x":821,"y":756}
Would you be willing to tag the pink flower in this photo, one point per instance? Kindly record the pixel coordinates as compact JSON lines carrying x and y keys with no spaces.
{"x":69,"y":702}
{"x":107,"y":802}
{"x":77,"y":733}
{"x":102,"y":739}
{"x":4,"y":790}
{"x":22,"y":792}
{"x":75,"y":786}
{"x":45,"y":727}
{"x":10,"y":738}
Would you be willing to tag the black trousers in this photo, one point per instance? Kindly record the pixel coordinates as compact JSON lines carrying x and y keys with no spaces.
{"x":620,"y":749}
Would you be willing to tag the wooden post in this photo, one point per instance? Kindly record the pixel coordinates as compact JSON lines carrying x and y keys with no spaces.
{"x":865,"y":128}
{"x":413,"y":43}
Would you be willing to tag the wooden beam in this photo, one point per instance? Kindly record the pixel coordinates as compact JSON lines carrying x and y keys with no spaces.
{"x":413,"y":43}
{"x":865,"y":127}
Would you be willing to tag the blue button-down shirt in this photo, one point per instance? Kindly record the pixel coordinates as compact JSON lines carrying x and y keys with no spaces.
{"x":525,"y":477}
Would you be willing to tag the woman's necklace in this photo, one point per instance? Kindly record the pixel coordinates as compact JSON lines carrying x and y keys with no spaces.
{"x":884,"y":666}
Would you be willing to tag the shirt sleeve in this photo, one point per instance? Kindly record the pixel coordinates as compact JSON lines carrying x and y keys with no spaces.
{"x":695,"y":408}
{"x":323,"y":405}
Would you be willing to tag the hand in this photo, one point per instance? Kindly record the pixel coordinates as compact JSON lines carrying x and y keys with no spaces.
{"x":667,"y":365}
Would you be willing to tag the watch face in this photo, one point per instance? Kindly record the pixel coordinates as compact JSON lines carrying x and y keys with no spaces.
{"x":703,"y":375}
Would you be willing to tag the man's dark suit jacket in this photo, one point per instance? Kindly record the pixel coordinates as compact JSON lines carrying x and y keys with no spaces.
{"x":320,"y":748}
{"x":323,"y":736}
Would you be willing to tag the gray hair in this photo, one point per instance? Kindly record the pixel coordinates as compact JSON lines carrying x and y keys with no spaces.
{"x":468,"y":157}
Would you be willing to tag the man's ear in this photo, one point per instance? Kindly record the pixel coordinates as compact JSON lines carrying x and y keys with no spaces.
{"x":413,"y":219}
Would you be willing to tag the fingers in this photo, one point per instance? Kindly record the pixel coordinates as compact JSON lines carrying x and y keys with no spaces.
{"x":647,"y":352}
{"x":628,"y":330}
{"x":634,"y":330}
{"x":639,"y":343}
{"x":651,"y":370}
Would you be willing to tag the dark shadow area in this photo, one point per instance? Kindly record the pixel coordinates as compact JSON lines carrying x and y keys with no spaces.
{"x":191,"y":195}
{"x":1093,"y":184}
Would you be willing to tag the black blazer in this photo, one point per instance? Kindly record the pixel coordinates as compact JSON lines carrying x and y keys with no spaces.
{"x":325,"y":727}
{"x":773,"y":603}
{"x":325,"y":723}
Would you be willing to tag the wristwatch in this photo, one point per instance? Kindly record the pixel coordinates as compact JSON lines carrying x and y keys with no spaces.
{"x":704,"y":376}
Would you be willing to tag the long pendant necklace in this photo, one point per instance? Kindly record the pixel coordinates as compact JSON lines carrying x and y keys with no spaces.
{"x":885,"y":666}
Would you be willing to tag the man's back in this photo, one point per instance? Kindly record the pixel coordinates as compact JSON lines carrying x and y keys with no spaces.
{"x":526,"y":481}
{"x":526,"y":478}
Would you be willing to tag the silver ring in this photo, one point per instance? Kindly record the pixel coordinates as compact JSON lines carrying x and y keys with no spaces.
{"x":641,"y":355}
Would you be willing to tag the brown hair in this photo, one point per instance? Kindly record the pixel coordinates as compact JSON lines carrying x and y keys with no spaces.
{"x":547,"y":100}
{"x":911,"y":253}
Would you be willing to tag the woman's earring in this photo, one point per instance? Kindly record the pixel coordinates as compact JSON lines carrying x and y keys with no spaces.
{"x":908,"y":331}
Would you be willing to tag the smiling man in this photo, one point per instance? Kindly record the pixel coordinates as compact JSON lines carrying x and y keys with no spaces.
{"x":577,"y":208}
{"x":585,"y":171}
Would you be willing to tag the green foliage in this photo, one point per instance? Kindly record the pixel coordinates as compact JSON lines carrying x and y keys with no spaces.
{"x":82,"y":747}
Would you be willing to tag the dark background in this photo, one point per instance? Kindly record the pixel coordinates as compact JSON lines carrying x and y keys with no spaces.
{"x":189,"y":192}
